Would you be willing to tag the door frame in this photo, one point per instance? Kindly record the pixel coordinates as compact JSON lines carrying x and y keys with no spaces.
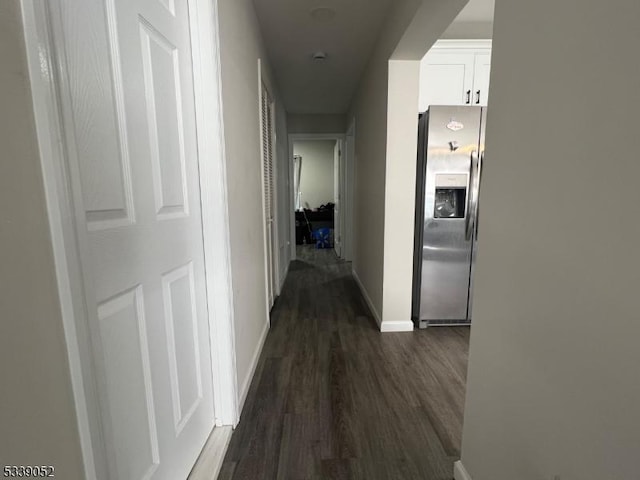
{"x":273,"y":282}
{"x":338,"y":189}
{"x":346,"y":182}
{"x":350,"y":175}
{"x":40,"y":23}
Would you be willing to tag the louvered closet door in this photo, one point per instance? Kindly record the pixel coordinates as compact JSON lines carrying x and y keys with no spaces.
{"x":131,"y":131}
{"x":267,"y":159}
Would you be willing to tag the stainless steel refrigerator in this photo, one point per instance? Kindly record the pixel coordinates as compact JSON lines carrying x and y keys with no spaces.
{"x":450,"y":156}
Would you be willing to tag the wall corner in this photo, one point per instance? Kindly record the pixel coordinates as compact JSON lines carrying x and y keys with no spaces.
{"x":459,"y":472}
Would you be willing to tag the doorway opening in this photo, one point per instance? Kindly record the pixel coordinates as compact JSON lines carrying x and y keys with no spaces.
{"x":318,"y":168}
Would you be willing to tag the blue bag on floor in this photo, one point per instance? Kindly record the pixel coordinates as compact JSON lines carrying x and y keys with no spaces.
{"x":322,"y":237}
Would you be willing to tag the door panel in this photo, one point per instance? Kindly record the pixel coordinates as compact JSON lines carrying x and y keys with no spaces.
{"x":180,"y":313}
{"x":482,"y":73}
{"x":445,"y":79}
{"x":133,"y":162}
{"x":128,"y":382}
{"x":164,"y":119}
{"x":102,"y":140}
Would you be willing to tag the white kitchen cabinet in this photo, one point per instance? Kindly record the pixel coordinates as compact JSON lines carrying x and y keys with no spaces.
{"x":481,"y":74}
{"x":455,"y":72}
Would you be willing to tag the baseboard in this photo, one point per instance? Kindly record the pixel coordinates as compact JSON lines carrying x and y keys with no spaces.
{"x":209,"y":462}
{"x":252,"y":370}
{"x":367,"y":299}
{"x":459,"y":472}
{"x":283,"y":278}
{"x":397,"y":326}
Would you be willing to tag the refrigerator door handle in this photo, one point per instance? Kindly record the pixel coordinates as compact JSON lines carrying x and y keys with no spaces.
{"x":471,"y":202}
{"x":479,"y":174}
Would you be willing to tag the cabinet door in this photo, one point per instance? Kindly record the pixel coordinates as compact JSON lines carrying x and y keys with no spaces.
{"x":481,"y":76}
{"x":445,"y":79}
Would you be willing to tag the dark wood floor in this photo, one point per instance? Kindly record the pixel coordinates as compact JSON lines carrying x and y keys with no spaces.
{"x":334,"y":398}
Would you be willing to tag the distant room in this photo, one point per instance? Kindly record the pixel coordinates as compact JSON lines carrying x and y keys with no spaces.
{"x":316,"y":184}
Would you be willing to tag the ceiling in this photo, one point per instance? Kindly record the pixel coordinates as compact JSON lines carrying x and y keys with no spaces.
{"x":346,"y":31}
{"x":474,"y":21}
{"x":476,"y":11}
{"x":292,"y":35}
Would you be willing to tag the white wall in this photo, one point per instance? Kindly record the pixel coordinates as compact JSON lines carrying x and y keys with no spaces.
{"x":37,"y":415}
{"x":284,"y":192}
{"x":553,"y":383}
{"x":469,"y":30}
{"x":369,"y":108}
{"x":400,"y":187}
{"x":383,"y":215}
{"x":241,"y":47}
{"x":309,"y":123}
{"x":316,"y":181}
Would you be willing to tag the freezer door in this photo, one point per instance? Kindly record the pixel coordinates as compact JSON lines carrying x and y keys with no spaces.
{"x":452,"y":149}
{"x":476,"y":213}
{"x":419,"y":217}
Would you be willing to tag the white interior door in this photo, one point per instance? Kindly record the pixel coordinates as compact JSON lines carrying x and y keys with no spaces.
{"x":337,"y":194}
{"x":267,"y":122}
{"x":130,"y":125}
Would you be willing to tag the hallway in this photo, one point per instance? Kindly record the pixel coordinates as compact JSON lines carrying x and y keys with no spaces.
{"x":333,"y":398}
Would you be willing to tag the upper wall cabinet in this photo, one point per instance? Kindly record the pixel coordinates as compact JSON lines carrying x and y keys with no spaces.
{"x":455,"y":72}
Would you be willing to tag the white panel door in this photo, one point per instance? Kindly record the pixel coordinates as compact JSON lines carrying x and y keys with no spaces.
{"x":337,"y":194}
{"x":445,"y":79}
{"x":130,"y":123}
{"x":482,"y":73}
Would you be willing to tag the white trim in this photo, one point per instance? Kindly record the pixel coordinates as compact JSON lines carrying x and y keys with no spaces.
{"x":292,"y":202}
{"x":293,"y":137}
{"x":389,"y":326}
{"x":214,"y":206}
{"x":275,"y":226}
{"x":275,"y":241}
{"x":271,"y":272}
{"x":365,"y":294}
{"x":459,"y":472}
{"x":209,"y":462}
{"x":267,"y":280}
{"x":48,"y":104}
{"x":293,"y":254}
{"x":338,"y":181}
{"x":244,"y":390}
{"x":42,"y":65}
{"x":350,"y":164}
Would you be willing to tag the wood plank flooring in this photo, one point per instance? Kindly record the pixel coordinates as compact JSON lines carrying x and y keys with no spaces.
{"x":333,"y":398}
